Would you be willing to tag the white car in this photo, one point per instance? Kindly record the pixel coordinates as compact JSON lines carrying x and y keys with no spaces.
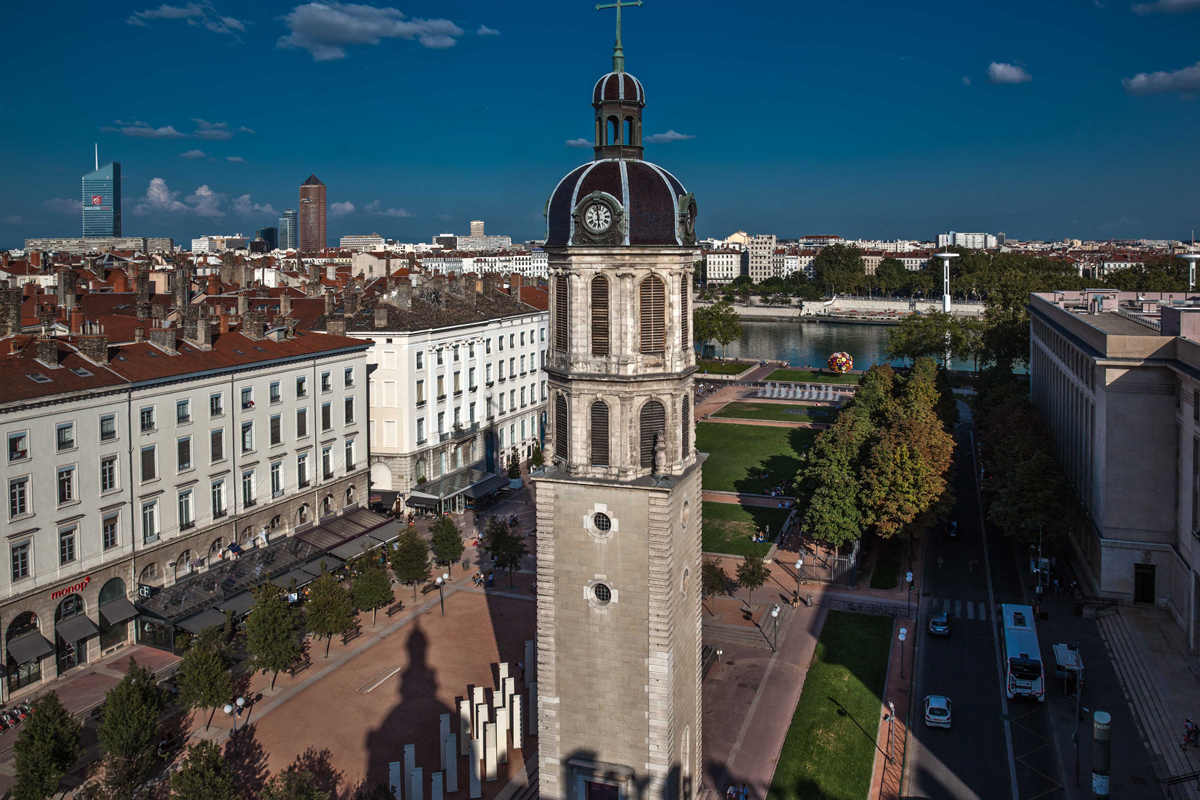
{"x":937,"y":711}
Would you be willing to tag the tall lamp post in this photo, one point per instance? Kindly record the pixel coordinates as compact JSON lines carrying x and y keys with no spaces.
{"x":909,"y":577}
{"x":799,"y":566}
{"x":234,"y":710}
{"x":903,"y":635}
{"x":441,"y":584}
{"x":945,"y":257}
{"x":1191,"y":258}
{"x":891,"y":720}
{"x":775,"y":618}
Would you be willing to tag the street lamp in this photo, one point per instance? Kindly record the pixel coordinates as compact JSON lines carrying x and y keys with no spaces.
{"x":441,"y":583}
{"x":775,"y":617}
{"x":234,"y":710}
{"x":891,"y":720}
{"x":909,"y":577}
{"x":799,"y":566}
{"x":903,"y":635}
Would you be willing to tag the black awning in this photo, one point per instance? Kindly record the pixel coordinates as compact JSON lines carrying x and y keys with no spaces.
{"x":329,"y":561}
{"x":239,"y":604}
{"x":118,"y":610}
{"x":285,"y":581}
{"x":486,"y":487}
{"x":415,"y":500}
{"x":72,"y":629}
{"x":29,"y":647}
{"x":205,"y":619}
{"x":353,"y":548}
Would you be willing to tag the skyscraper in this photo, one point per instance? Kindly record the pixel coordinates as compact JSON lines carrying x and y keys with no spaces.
{"x":312,"y":215}
{"x":287,"y":230}
{"x":102,"y":201}
{"x":477,"y":227}
{"x":270,"y":236}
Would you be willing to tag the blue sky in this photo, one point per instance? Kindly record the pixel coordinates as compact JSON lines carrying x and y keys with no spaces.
{"x":865,"y":119}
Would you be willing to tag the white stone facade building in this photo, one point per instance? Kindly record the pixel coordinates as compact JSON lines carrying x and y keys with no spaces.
{"x":723,"y":266}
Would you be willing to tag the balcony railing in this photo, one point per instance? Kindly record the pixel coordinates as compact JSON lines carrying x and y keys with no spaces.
{"x":458,"y":432}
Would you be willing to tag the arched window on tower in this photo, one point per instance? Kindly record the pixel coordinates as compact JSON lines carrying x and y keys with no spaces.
{"x":652,"y":420}
{"x":562,"y":434}
{"x":653,"y":307}
{"x":614,"y":130}
{"x":561,"y":310}
{"x":600,"y":316}
{"x":629,"y":130}
{"x":685,"y":429}
{"x":685,"y":317}
{"x":599,"y":434}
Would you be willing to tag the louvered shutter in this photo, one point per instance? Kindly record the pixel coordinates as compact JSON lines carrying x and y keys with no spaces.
{"x":686,"y":429}
{"x":185,"y":453}
{"x":148,"y":464}
{"x":600,"y":316}
{"x":561,"y":434}
{"x":217,"y":442}
{"x":652,"y":420}
{"x":600,"y":434}
{"x":653,"y":315}
{"x":560,"y":313}
{"x":685,"y":316}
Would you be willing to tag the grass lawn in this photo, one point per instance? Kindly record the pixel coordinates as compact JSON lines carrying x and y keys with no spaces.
{"x":887,"y":562}
{"x":728,"y":528}
{"x":722,"y":367}
{"x":738,"y":454}
{"x":804,"y":376}
{"x":830,"y":746}
{"x":779,"y":411}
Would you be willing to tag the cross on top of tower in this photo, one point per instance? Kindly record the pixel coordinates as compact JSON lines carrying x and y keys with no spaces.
{"x":618,"y":52}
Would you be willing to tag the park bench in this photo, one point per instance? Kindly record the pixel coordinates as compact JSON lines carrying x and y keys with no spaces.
{"x":299,"y":667}
{"x":429,"y":587}
{"x":394,"y":609}
{"x":350,"y":636}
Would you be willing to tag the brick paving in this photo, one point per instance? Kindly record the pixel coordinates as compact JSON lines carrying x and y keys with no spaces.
{"x":889,"y":765}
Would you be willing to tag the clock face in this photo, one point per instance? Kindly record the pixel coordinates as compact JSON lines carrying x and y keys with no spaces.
{"x":597,"y":218}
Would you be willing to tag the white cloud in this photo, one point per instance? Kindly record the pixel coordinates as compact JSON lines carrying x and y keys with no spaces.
{"x":213,"y":131}
{"x":1167,"y":7}
{"x":207,"y":203}
{"x":194,"y":154}
{"x":1007,"y":73}
{"x":244,"y":129}
{"x":235,"y":159}
{"x":243,"y":207}
{"x":59,"y":205}
{"x":201,"y":14}
{"x":579,"y":142}
{"x":371,"y":207}
{"x":1185,"y":80}
{"x":396,"y":212}
{"x":375,"y":207}
{"x":14,"y":219}
{"x":966,"y":81}
{"x":325,"y":29}
{"x":142,"y":130}
{"x":484,"y":30}
{"x":669,"y":136}
{"x":159,"y":199}
{"x":341,"y":209}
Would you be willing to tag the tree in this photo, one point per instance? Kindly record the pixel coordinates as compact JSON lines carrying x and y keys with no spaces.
{"x":410,"y":559}
{"x":204,"y":775}
{"x":292,"y":784}
{"x":46,"y":748}
{"x":330,"y":608}
{"x":203,"y":678}
{"x":375,"y":791}
{"x":514,"y":466}
{"x":838,"y":265}
{"x":753,"y":573}
{"x":537,"y":459}
{"x":127,"y":729}
{"x":506,"y":546}
{"x":891,"y":276}
{"x":272,"y":640}
{"x":718,"y":322}
{"x":446,"y":542}
{"x":714,"y":582}
{"x":371,"y":587}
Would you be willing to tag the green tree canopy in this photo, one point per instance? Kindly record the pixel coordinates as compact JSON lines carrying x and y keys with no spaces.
{"x":203,"y":776}
{"x":46,"y":748}
{"x":752,"y":573}
{"x":203,"y":677}
{"x":446,"y":541}
{"x":410,"y":559}
{"x":293,"y":784}
{"x":329,"y":610}
{"x":127,"y":729}
{"x":839,"y":267}
{"x":272,"y":632}
{"x":372,"y":586}
{"x":506,"y":546}
{"x":714,"y":581}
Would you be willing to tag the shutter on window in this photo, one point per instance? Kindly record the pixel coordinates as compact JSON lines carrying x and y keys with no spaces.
{"x":686,"y":431}
{"x":600,"y":316}
{"x":560,"y":313}
{"x":217,"y":441}
{"x":185,"y":452}
{"x":685,"y":317}
{"x":560,"y":427}
{"x":148,"y":464}
{"x":653,"y":315}
{"x":600,"y":434}
{"x":275,"y":432}
{"x":652,"y":420}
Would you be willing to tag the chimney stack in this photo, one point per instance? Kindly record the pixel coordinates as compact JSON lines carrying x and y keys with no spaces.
{"x":329,"y":302}
{"x":77,"y":320}
{"x":199,"y":333}
{"x":182,"y":288}
{"x":139,"y":335}
{"x":243,"y":304}
{"x":285,"y":304}
{"x":47,"y":352}
{"x":252,"y":327}
{"x":93,"y":348}
{"x":224,"y":328}
{"x":350,"y":301}
{"x":381,"y":316}
{"x":214,"y":286}
{"x":163,"y":339}
{"x":66,"y":288}
{"x":336,"y":326}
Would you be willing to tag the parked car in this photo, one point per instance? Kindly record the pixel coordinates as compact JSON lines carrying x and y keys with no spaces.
{"x":939,"y":624}
{"x":952,"y":529}
{"x":937,"y":711}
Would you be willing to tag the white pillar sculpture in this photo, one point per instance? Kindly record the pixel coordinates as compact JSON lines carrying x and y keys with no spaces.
{"x":435,"y":790}
{"x":489,"y":751}
{"x":450,"y":753}
{"x":517,"y":722}
{"x":395,"y":780}
{"x":473,"y":761}
{"x":465,"y":728}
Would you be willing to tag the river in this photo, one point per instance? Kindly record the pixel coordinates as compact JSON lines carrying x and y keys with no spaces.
{"x":810,"y":344}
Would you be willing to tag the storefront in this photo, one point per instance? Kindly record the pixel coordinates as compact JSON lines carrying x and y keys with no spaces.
{"x":26,"y":647}
{"x":115,"y":613}
{"x":72,"y":631}
{"x":457,"y":492}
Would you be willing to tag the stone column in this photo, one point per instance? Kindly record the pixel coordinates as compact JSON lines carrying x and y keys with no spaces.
{"x":443,"y":732}
{"x":395,"y":780}
{"x":417,"y":787}
{"x":489,"y":752}
{"x":481,"y":718}
{"x":502,"y":735}
{"x":449,"y":746}
{"x":464,"y":725}
{"x":410,"y":764}
{"x":510,"y":691}
{"x":473,"y":761}
{"x":517,"y":722}
{"x":435,"y":791}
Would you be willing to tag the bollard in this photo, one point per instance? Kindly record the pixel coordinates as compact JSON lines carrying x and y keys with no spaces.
{"x":1101,"y":744}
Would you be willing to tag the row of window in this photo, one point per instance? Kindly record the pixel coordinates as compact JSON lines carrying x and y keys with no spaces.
{"x":526,"y":400}
{"x":652,"y":315}
{"x":69,"y":550}
{"x":388,"y":360}
{"x":651,"y":423}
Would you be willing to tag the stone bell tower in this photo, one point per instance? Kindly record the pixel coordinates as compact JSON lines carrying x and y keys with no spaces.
{"x":619,"y":506}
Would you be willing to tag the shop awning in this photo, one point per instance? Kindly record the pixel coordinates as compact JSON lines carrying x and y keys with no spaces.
{"x":72,"y":629}
{"x":331,"y":562}
{"x":29,"y":647}
{"x":418,"y":500}
{"x":117,"y":611}
{"x":239,"y":604}
{"x":354,"y":547}
{"x":387,"y":533}
{"x":205,"y":619}
{"x":284,"y":581}
{"x":486,"y":487}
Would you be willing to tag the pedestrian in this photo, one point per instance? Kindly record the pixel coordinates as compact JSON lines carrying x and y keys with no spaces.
{"x":745,"y":792}
{"x":1056,"y":587}
{"x":731,"y":793}
{"x":491,"y":580}
{"x":521,"y":666}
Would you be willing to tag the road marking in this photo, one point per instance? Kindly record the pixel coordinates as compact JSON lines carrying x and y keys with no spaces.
{"x":378,"y":680}
{"x":983,"y":612}
{"x":946,"y":606}
{"x":970,"y":610}
{"x":958,"y":608}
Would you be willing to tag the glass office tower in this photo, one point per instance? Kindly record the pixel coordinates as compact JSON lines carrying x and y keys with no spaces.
{"x":288,"y":237}
{"x":102,"y":201}
{"x":270,"y":236}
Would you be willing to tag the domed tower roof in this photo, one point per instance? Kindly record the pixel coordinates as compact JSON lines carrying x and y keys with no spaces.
{"x":618,"y":86}
{"x":638,"y":203}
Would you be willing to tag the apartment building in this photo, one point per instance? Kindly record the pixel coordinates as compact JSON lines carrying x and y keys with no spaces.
{"x":723,"y":266}
{"x":761,"y":251}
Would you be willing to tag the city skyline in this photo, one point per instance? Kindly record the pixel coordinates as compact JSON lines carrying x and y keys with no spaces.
{"x":1066,"y":122}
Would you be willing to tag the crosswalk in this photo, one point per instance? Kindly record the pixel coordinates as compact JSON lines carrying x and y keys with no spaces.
{"x":960,"y":609}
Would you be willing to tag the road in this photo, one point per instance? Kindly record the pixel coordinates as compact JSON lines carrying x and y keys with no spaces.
{"x":998,"y":749}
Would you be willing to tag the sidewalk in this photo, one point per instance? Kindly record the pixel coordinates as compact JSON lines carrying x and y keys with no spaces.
{"x":887,"y":772}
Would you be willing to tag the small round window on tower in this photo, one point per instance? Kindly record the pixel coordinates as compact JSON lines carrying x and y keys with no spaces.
{"x":602,"y":593}
{"x":602,"y":522}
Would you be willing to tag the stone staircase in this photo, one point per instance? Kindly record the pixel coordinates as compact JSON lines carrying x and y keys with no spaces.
{"x":715,"y":633}
{"x":1160,"y":723}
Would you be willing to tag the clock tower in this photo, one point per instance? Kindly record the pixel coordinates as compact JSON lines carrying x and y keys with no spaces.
{"x":618,"y":540}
